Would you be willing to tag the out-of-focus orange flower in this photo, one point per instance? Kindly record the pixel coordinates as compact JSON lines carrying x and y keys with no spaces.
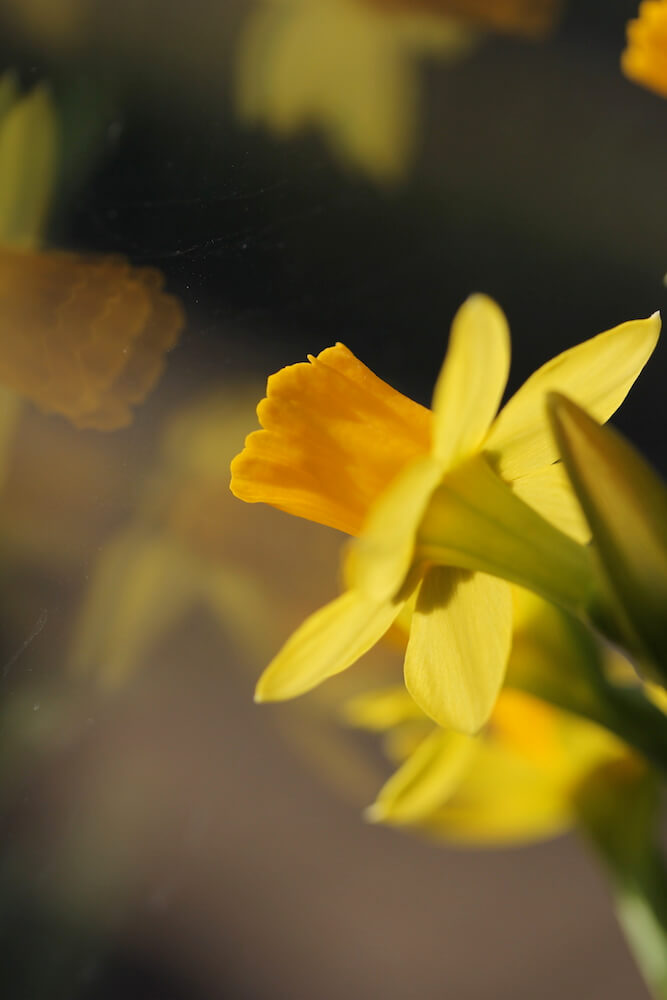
{"x":83,"y":336}
{"x":644,"y":60}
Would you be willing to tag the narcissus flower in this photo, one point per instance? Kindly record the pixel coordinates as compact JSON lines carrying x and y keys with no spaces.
{"x":519,"y":779}
{"x":644,"y":60}
{"x":83,"y":336}
{"x":350,"y":67}
{"x":346,"y":67}
{"x":444,"y":503}
{"x":516,"y":781}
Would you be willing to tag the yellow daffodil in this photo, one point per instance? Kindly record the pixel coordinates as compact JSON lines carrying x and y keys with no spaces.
{"x":350,"y":67}
{"x":644,"y":60}
{"x":514,"y":782}
{"x":519,"y":779}
{"x":344,"y":66}
{"x":444,"y":503}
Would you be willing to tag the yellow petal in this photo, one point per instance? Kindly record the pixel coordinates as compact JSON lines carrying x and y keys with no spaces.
{"x":597,"y":374}
{"x":28,"y":154}
{"x":379,"y":561}
{"x":472,"y":380}
{"x":426,"y":780}
{"x":504,"y":799}
{"x":550,"y":493}
{"x":381,"y":709}
{"x":335,"y":436}
{"x":327,"y":643}
{"x":141,"y":585}
{"x":459,"y":646}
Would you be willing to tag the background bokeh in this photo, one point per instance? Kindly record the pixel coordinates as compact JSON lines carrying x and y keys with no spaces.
{"x":162,"y":837}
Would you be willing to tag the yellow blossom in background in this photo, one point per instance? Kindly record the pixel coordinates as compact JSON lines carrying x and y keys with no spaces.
{"x":190,"y":545}
{"x":444,"y":503}
{"x":83,"y":336}
{"x":350,"y":67}
{"x":518,"y":779}
{"x":644,"y":60}
{"x":344,"y":67}
{"x":514,"y":782}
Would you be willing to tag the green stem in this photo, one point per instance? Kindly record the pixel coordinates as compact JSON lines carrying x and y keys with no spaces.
{"x":619,"y":818}
{"x":629,"y":714}
{"x":579,"y":683}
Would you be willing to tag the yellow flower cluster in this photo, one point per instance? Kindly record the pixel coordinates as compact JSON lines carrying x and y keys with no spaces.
{"x":447,"y":508}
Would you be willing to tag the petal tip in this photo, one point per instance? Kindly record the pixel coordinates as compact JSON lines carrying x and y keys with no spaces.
{"x":374,"y":813}
{"x":260,"y":696}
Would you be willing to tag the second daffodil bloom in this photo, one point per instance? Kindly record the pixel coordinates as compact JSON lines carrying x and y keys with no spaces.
{"x":644,"y":60}
{"x":350,"y":68}
{"x":445,"y":503}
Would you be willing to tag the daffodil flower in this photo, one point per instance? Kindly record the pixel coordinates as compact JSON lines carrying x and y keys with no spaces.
{"x":350,"y":68}
{"x":517,"y":780}
{"x":344,"y":67}
{"x":445,"y":503}
{"x":644,"y":60}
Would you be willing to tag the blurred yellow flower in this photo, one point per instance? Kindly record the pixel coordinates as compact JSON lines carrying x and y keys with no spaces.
{"x":342,"y":66}
{"x":644,"y":60}
{"x":350,"y":67}
{"x":514,"y":782}
{"x":189,"y":544}
{"x":444,"y":503}
{"x":83,"y":336}
{"x":518,"y":780}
